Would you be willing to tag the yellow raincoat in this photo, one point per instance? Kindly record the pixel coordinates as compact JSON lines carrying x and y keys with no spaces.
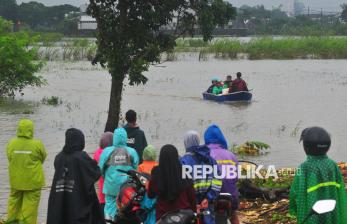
{"x":25,"y":156}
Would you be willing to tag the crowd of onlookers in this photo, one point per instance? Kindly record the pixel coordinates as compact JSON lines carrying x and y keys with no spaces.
{"x":73,"y":198}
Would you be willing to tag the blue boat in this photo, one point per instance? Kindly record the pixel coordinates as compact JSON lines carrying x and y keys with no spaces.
{"x":242,"y":96}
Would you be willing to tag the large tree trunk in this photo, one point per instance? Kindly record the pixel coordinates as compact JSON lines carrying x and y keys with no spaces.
{"x":115,"y":103}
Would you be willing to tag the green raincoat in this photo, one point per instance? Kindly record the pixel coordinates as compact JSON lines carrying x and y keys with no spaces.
{"x":217,"y":90}
{"x":25,"y":156}
{"x":318,"y":178}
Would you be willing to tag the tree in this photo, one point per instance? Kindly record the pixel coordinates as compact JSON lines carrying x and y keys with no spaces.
{"x":5,"y":26}
{"x":17,"y":65}
{"x":41,"y":17}
{"x":344,"y":12}
{"x":8,"y":9}
{"x":130,"y":36}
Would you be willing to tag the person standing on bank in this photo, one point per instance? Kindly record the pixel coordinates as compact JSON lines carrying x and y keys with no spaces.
{"x":136,"y":137}
{"x":25,"y":157}
{"x":73,"y":199}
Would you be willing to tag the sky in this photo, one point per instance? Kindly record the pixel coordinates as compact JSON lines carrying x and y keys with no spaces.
{"x":327,"y":5}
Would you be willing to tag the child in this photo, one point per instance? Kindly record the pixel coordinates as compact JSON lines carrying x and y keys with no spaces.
{"x":318,"y":178}
{"x":105,"y":141}
{"x":149,"y":160}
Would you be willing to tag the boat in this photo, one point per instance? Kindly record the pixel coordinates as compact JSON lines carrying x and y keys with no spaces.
{"x":242,"y":96}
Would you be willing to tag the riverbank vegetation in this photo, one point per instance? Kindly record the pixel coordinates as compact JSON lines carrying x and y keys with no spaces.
{"x":270,"y":48}
{"x":17,"y":64}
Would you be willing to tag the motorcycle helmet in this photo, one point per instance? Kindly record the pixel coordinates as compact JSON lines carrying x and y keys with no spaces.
{"x":316,"y":141}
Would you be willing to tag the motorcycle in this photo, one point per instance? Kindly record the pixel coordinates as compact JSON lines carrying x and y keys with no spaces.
{"x":223,"y":208}
{"x":129,"y":199}
{"x":178,"y":217}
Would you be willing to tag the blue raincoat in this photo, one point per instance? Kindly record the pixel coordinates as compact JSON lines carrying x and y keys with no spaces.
{"x":207,"y":187}
{"x":118,"y":156}
{"x":214,"y":135}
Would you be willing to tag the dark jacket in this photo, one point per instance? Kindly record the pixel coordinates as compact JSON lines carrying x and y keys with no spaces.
{"x":73,"y":199}
{"x":136,"y":140}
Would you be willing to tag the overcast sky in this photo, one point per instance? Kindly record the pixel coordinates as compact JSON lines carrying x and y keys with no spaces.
{"x":327,"y":5}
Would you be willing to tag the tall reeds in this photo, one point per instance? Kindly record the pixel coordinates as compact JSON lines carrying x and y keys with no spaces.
{"x":270,"y":48}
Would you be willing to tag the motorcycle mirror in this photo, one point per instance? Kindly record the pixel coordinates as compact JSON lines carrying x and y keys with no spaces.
{"x":324,"y":206}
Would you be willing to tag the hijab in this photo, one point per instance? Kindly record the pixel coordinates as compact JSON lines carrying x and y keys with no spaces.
{"x":74,"y":140}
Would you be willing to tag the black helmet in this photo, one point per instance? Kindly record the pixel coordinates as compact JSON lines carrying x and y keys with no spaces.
{"x":316,"y":141}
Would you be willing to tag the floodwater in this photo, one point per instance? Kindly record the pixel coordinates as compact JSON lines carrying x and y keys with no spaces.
{"x":288,"y":96}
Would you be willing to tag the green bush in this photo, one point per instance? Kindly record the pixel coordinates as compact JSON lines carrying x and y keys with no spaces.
{"x":53,"y":100}
{"x":17,"y":65}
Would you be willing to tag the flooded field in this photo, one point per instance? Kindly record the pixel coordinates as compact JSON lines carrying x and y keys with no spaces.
{"x":288,"y":96}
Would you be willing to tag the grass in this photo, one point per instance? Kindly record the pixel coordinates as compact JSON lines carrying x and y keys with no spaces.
{"x":269,"y":48}
{"x":53,"y":101}
{"x":311,"y":47}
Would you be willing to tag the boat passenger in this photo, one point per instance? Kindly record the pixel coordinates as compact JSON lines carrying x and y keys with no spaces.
{"x":167,"y":184}
{"x":238,"y":84}
{"x":73,"y":198}
{"x":214,"y":139}
{"x":228,"y":82}
{"x":207,"y":187}
{"x":214,"y":82}
{"x":115,"y":158}
{"x":105,"y":141}
{"x":316,"y":179}
{"x":25,"y":158}
{"x":149,"y":160}
{"x":218,"y":88}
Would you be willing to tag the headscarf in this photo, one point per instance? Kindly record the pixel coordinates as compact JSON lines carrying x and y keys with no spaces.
{"x":106,"y":140}
{"x":168,"y":175}
{"x":213,"y":135}
{"x":191,"y":138}
{"x":74,"y":140}
{"x":149,"y":153}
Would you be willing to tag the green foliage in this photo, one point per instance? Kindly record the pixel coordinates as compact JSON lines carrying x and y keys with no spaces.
{"x":53,"y":100}
{"x":261,"y":21}
{"x":283,"y":218}
{"x":5,"y":26}
{"x":270,"y":48}
{"x":17,"y":68}
{"x":48,"y":39}
{"x":38,"y":16}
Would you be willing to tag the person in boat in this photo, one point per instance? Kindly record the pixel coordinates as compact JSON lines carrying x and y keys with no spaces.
{"x":206,"y":188}
{"x":227,"y":82}
{"x":115,"y":158}
{"x":136,"y":136}
{"x":214,"y":82}
{"x":218,"y":88}
{"x":216,"y":142}
{"x":172,"y":191}
{"x":238,"y":84}
{"x":105,"y":141}
{"x":26,"y":156}
{"x":318,"y":178}
{"x":73,"y":198}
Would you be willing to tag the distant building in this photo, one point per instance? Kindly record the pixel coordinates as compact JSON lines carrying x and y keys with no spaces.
{"x":87,"y":23}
